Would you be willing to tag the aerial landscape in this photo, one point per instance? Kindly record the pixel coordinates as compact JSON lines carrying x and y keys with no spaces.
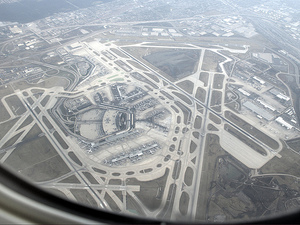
{"x":169,"y":110}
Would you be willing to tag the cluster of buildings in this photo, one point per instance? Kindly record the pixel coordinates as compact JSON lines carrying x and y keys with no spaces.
{"x":267,"y":57}
{"x":219,"y":26}
{"x":287,"y":15}
{"x":269,"y":113}
{"x":266,"y":111}
{"x":31,"y":74}
{"x":262,"y":96}
{"x":259,"y":111}
{"x":8,"y":75}
{"x":77,"y":104}
{"x":147,"y":31}
{"x":163,"y":32}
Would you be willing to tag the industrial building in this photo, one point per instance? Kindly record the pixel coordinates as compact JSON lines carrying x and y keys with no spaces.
{"x":283,"y":123}
{"x":279,"y":95}
{"x":259,"y":111}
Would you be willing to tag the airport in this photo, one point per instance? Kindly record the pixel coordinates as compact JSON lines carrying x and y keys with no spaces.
{"x":174,"y":119}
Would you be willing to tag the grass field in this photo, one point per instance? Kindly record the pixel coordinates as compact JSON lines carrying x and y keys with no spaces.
{"x":252,"y":130}
{"x":84,"y":197}
{"x":56,"y":192}
{"x":218,"y":81}
{"x":245,"y":139}
{"x":133,"y":207}
{"x":187,"y":86}
{"x":136,"y":65}
{"x":47,"y":83}
{"x":4,"y":115}
{"x":61,"y":141}
{"x":216,"y":98}
{"x":289,"y":163}
{"x":15,"y":105}
{"x":193,"y":146}
{"x":70,"y":180}
{"x":153,"y":77}
{"x":47,"y":123}
{"x":149,"y":190}
{"x":184,"y":203}
{"x":204,"y":78}
{"x":198,"y":122}
{"x":45,"y":100}
{"x":30,"y":153}
{"x":211,"y":61}
{"x":6,"y":126}
{"x":90,"y":177}
{"x":177,"y":63}
{"x":212,"y":152}
{"x":186,"y":112}
{"x":114,"y":207}
{"x":117,"y":52}
{"x":12,"y":140}
{"x":294,"y":144}
{"x":74,"y":158}
{"x":201,"y":94}
{"x":214,"y":118}
{"x":36,"y":158}
{"x":183,"y":98}
{"x":30,"y":100}
{"x":188,"y":176}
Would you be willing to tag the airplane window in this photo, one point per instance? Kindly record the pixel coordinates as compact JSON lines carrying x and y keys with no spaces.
{"x":171,"y":110}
